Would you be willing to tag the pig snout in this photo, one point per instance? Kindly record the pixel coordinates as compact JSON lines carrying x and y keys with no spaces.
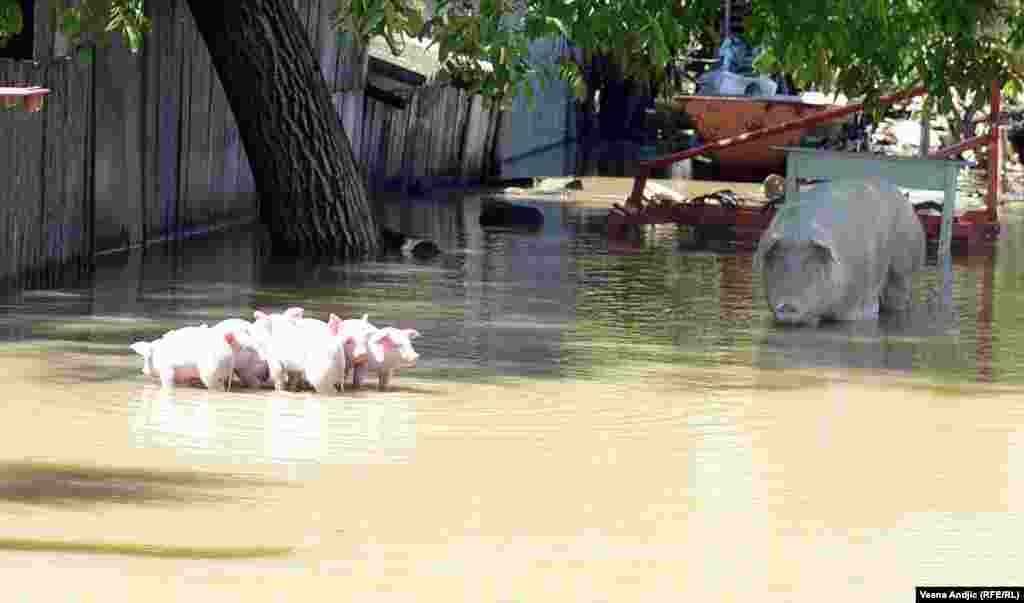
{"x":786,"y":311}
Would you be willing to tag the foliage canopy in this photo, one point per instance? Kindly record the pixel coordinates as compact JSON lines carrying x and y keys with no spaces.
{"x":861,"y":48}
{"x":866,"y":48}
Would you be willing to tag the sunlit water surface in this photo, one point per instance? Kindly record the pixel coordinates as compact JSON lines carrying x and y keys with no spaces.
{"x":582,"y":426}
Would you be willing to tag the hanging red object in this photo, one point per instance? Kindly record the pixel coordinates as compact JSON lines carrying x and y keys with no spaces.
{"x":31,"y":96}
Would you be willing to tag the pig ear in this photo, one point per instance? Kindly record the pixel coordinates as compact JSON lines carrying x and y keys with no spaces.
{"x":377,"y":351}
{"x":141,"y":347}
{"x":334,"y":317}
{"x":334,"y":325}
{"x":295,"y":312}
{"x":411,"y":333}
{"x":365,"y":316}
{"x":259,"y":315}
{"x":377,"y":341}
{"x":231,"y":340}
{"x":827,"y":247}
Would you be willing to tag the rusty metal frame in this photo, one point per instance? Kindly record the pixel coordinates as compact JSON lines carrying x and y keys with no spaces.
{"x":977,"y":229}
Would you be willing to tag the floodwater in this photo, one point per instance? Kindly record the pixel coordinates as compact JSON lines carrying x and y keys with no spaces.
{"x":582,"y":426}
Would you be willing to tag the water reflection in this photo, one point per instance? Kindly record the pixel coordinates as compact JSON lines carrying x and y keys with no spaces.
{"x":297,"y":432}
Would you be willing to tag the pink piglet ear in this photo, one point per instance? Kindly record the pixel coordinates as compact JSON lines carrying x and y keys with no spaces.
{"x":295,"y":312}
{"x":259,"y":315}
{"x":411,"y":333}
{"x":334,"y":325}
{"x":232,"y":341}
{"x":378,"y":341}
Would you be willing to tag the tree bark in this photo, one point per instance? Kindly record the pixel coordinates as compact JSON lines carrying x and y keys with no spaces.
{"x":312,"y":198}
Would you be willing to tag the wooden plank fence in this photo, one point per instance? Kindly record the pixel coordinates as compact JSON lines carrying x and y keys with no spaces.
{"x":136,"y":148}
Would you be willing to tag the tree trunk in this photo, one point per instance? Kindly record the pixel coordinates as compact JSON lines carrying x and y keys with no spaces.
{"x":312,"y":197}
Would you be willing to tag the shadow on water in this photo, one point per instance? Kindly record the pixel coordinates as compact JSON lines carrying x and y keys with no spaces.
{"x":160,"y":551}
{"x":40,"y":483}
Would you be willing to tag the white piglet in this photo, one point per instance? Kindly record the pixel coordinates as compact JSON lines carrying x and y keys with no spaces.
{"x":390,"y":349}
{"x":250,"y":365}
{"x":183,"y":374}
{"x":305,"y":348}
{"x":186,"y":354}
{"x":355,"y":332}
{"x":263,"y":323}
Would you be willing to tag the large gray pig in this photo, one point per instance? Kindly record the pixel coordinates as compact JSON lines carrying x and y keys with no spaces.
{"x":847,"y":249}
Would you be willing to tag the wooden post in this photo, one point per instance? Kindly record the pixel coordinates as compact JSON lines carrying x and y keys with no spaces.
{"x":946,"y":233}
{"x":992,"y":200}
{"x":926,"y":132}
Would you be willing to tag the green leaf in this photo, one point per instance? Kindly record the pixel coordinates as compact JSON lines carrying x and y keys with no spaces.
{"x":86,"y":56}
{"x":135,"y":41}
{"x":415,"y":22}
{"x":71,"y":22}
{"x":374,"y":21}
{"x":579,"y":87}
{"x":557,"y":23}
{"x":11,"y":20}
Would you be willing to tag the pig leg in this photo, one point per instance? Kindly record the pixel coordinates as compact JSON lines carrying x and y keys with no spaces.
{"x":167,"y":377}
{"x":249,"y":377}
{"x":243,"y":379}
{"x":383,"y":378}
{"x":278,"y":375}
{"x":298,"y":381}
{"x":358,"y":374}
{"x":896,"y":294}
{"x":867,"y":311}
{"x":209,"y":379}
{"x":212,"y":384}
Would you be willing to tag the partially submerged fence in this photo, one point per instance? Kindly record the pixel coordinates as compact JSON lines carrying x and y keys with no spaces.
{"x":138,"y":147}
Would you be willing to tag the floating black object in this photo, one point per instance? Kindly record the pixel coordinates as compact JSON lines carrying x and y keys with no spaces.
{"x":396,"y":242}
{"x":501,"y":214}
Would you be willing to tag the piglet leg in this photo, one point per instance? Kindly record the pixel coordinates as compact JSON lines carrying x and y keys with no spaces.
{"x":358,"y":374}
{"x":278,"y":375}
{"x":383,"y":378}
{"x":167,"y":377}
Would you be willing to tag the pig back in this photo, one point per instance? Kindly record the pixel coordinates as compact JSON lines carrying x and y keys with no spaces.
{"x":867,"y":224}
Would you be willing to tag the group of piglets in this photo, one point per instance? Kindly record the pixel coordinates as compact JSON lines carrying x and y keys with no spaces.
{"x":287,"y":349}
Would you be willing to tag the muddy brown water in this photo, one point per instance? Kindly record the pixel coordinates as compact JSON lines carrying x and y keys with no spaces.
{"x":582,"y":426}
